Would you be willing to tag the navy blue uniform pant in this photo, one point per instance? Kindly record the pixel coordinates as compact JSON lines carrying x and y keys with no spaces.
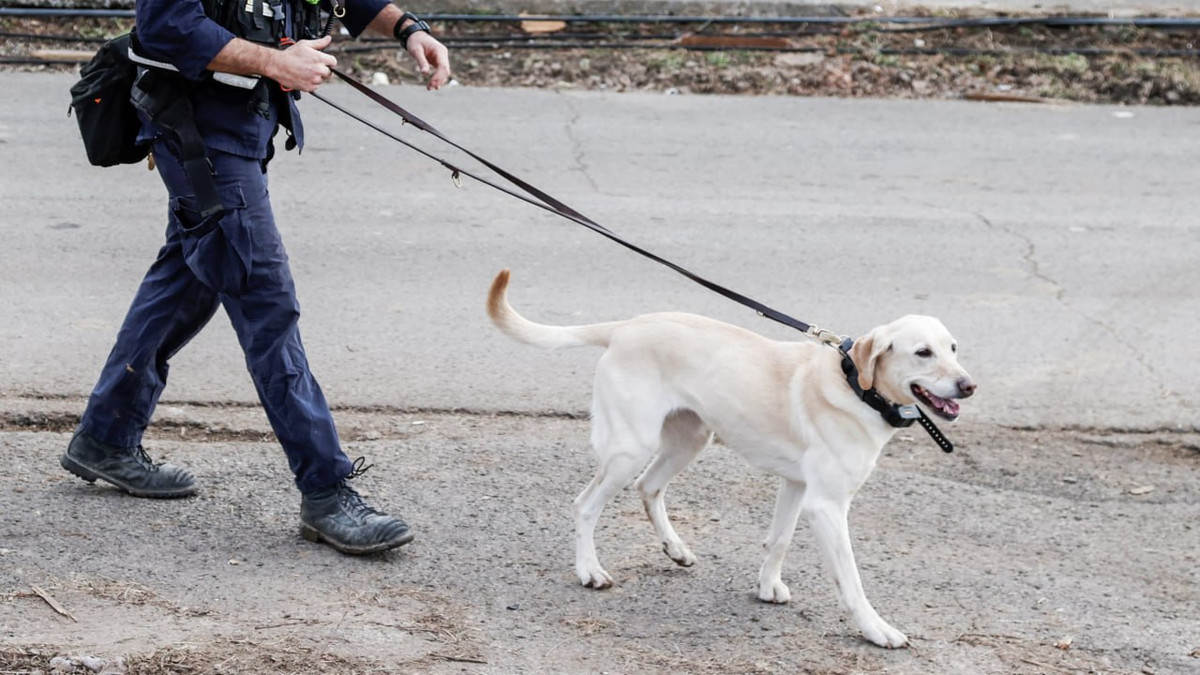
{"x":237,"y":261}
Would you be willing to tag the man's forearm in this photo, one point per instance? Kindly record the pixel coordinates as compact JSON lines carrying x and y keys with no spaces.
{"x":242,"y":57}
{"x":302,"y":66}
{"x":385,"y":20}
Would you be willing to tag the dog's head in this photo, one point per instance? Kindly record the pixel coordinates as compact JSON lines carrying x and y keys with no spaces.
{"x":913,"y":360}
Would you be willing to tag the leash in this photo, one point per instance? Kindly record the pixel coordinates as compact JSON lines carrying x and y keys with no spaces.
{"x":895,"y":415}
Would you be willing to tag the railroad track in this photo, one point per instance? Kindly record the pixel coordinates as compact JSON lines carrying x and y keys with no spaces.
{"x":1132,"y":59}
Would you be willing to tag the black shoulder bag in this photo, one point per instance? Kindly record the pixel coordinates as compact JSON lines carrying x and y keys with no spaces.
{"x":101,"y":101}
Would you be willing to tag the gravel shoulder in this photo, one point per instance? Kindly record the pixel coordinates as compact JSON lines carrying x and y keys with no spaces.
{"x":1115,"y":64}
{"x":1026,"y":551}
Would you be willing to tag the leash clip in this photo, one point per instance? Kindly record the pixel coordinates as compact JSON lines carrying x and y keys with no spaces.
{"x":825,"y":336}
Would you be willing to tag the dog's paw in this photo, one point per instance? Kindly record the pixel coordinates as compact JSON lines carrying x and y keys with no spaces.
{"x":885,"y":636}
{"x":595,"y":578}
{"x":775,"y":592}
{"x":679,"y":553}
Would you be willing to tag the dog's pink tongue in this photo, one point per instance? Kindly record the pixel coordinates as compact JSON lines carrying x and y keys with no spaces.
{"x":948,"y":406}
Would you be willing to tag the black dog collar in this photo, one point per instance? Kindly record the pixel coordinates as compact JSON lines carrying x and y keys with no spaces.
{"x":898,"y":416}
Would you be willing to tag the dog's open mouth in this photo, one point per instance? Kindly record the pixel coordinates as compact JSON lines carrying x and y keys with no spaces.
{"x":944,"y":407}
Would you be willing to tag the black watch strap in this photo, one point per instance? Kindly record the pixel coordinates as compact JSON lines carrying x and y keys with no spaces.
{"x":402,"y":34}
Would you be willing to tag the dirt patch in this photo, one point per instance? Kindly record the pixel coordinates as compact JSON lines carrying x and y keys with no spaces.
{"x":1026,"y":551}
{"x":1098,"y":64}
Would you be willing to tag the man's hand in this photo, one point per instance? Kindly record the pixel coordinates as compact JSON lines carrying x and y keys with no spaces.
{"x":304,"y":66}
{"x":432,"y":58}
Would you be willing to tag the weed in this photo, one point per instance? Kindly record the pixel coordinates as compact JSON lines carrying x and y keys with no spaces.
{"x":672,"y":60}
{"x":1070,"y":63}
{"x":885,"y":60}
{"x":718,"y":59}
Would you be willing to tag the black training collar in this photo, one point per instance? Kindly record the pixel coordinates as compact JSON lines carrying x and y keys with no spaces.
{"x":898,"y":416}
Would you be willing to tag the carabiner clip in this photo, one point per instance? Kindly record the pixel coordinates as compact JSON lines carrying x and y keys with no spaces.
{"x":825,"y":336}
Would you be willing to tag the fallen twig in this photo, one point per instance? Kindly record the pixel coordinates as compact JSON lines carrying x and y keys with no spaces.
{"x":457,"y":659}
{"x":407,"y":629}
{"x":991,"y":636}
{"x":284,"y":624}
{"x":1007,"y":98}
{"x":53,"y":603}
{"x":1039,"y":664}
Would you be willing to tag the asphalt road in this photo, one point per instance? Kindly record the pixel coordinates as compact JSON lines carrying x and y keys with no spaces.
{"x":1059,"y":243}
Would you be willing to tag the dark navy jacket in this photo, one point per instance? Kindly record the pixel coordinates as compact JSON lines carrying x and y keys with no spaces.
{"x":179,"y":33}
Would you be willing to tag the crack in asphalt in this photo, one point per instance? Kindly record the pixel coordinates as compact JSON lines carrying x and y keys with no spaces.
{"x":1030,"y":258}
{"x":578,"y":153}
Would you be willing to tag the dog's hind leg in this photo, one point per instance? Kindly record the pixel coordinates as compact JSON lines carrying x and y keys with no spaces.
{"x":684,"y":435}
{"x":625,"y":434}
{"x":614,"y":474}
{"x":787,"y":511}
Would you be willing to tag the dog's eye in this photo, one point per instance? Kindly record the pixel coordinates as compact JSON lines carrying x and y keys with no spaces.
{"x":925,"y":352}
{"x":954,"y":348}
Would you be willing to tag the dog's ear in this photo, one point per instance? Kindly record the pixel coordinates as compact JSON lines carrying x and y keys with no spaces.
{"x":865,"y":354}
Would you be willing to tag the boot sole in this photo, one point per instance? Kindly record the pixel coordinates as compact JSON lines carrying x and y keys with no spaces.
{"x":314,"y":535}
{"x":90,"y":475}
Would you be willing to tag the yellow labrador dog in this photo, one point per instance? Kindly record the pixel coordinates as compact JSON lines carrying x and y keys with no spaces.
{"x":668,"y":381}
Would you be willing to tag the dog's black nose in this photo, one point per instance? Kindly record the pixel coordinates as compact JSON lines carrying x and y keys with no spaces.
{"x":966,"y":387}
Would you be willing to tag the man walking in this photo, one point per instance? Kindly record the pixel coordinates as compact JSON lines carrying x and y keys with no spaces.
{"x":223,"y":249}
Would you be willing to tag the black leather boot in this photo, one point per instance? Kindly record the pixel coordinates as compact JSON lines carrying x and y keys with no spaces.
{"x":339,"y":516}
{"x":127,"y":468}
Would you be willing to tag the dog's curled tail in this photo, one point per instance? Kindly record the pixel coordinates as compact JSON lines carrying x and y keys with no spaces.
{"x":521,"y":329}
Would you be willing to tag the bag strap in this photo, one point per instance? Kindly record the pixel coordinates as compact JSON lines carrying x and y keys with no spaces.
{"x":162,"y":98}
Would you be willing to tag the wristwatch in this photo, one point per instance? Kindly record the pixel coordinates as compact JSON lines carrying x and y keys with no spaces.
{"x":416,"y":26}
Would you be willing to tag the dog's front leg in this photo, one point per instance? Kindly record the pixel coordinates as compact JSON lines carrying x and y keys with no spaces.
{"x":828,"y":520}
{"x":787,"y":511}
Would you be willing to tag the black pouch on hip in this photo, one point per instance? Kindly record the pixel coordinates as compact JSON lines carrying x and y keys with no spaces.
{"x":107,"y":119}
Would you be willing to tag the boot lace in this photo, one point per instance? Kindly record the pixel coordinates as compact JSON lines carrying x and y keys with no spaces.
{"x":350,"y":498}
{"x":142,"y":458}
{"x":358,"y":468}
